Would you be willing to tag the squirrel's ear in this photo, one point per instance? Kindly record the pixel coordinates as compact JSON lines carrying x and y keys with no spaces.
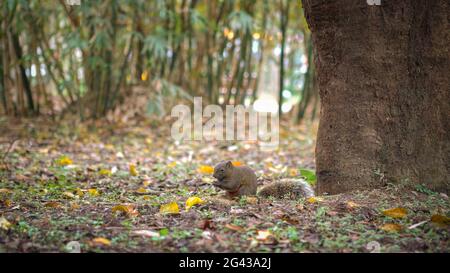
{"x":229,"y":164}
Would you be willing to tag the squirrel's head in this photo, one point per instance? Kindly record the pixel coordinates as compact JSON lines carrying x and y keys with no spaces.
{"x":223,"y":169}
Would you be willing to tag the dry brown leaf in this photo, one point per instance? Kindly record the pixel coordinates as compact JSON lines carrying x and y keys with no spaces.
{"x":440,"y":220}
{"x":234,"y":227}
{"x":52,"y":204}
{"x":5,"y":191}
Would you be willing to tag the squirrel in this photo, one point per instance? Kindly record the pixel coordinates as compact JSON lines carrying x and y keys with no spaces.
{"x":241,"y":180}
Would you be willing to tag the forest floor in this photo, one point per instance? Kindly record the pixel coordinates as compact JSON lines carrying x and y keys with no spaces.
{"x":104,"y":187}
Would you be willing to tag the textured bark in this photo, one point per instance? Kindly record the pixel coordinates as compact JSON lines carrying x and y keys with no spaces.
{"x":383,"y":76}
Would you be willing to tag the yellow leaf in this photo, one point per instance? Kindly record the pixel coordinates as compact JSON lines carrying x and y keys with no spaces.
{"x":237,"y":163}
{"x":149,"y":141}
{"x":313,"y":200}
{"x":169,"y":208}
{"x":141,"y":190}
{"x":146,"y":183}
{"x":64,"y":161}
{"x":192,"y":201}
{"x":127,"y":209}
{"x":395,"y":212}
{"x":146,"y":198}
{"x":5,"y":191}
{"x":4,"y":224}
{"x":144,"y":76}
{"x":133,"y":171}
{"x":101,"y":241}
{"x":79,"y":192}
{"x":293,"y":172}
{"x":205,"y":169}
{"x":440,"y":220}
{"x":93,"y":192}
{"x":171,"y":165}
{"x":392,"y":227}
{"x":105,"y":172}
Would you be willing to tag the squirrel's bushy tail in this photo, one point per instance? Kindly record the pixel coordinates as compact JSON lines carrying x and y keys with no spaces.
{"x":288,"y":187}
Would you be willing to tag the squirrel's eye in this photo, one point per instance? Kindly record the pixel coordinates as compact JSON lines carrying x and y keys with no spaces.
{"x":222,"y":170}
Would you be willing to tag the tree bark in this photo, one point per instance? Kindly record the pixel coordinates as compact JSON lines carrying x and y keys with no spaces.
{"x":383,"y":76}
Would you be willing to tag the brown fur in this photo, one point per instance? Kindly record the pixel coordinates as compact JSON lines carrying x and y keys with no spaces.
{"x":241,"y":180}
{"x":235,"y":180}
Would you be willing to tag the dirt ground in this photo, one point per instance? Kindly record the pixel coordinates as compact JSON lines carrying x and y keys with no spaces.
{"x":104,"y":187}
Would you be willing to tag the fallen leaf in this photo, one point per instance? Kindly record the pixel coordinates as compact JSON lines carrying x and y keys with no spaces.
{"x":392,"y":227}
{"x":5,"y":191}
{"x":74,"y":206}
{"x":313,"y":200}
{"x":171,"y":165}
{"x":127,"y":209}
{"x":69,"y":194}
{"x":395,"y":212}
{"x":93,"y":192}
{"x":207,"y":224}
{"x":205,"y":169}
{"x":52,"y":204}
{"x":64,"y":161}
{"x":132,"y":169}
{"x":440,"y":220}
{"x":79,"y":192}
{"x":237,"y":163}
{"x":251,"y":200}
{"x":171,"y":208}
{"x":141,"y":190}
{"x":101,"y":241}
{"x":192,"y":201}
{"x":234,"y":227}
{"x":352,"y":205}
{"x":4,"y":224}
{"x":105,"y":172}
{"x":289,"y":219}
{"x":7,"y":203}
{"x":293,"y":172}
{"x":263,"y":235}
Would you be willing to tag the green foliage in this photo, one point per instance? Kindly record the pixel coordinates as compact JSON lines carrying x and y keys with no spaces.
{"x":309,"y":175}
{"x":85,"y":59}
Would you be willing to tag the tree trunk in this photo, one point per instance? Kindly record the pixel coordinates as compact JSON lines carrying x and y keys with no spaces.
{"x":383,"y":76}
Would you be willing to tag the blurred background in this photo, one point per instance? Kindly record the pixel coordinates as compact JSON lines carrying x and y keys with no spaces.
{"x":122,"y":58}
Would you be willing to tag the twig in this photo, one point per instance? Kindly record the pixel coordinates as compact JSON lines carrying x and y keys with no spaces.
{"x":7,"y":152}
